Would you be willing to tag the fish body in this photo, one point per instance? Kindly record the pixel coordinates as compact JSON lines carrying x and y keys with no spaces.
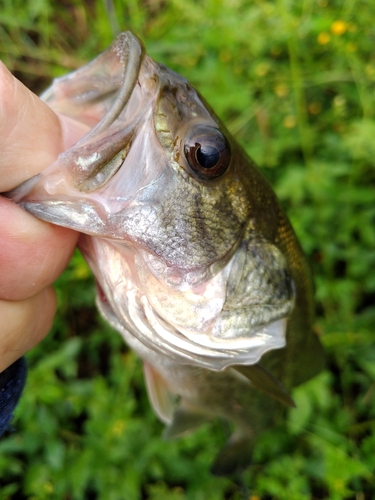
{"x":197,"y":266}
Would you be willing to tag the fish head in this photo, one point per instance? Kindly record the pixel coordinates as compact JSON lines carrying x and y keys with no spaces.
{"x":178,"y":225}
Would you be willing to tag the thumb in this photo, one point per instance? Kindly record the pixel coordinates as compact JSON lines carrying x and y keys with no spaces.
{"x":31,"y":134}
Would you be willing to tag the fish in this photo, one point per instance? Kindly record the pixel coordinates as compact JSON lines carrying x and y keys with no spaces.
{"x":196,"y":264}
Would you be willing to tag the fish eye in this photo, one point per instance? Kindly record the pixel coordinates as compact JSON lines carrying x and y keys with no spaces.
{"x":207,"y":152}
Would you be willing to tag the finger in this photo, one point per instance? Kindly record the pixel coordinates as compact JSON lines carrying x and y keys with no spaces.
{"x":33,"y":253}
{"x":31,"y":134}
{"x":24,"y":324}
{"x":42,"y":251}
{"x":26,"y":123}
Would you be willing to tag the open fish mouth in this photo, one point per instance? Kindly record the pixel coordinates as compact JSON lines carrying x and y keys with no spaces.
{"x":96,"y":95}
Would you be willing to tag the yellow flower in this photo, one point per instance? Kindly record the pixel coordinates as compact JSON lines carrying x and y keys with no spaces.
{"x":323,"y":38}
{"x":339,"y":101}
{"x":118,"y":428}
{"x":262,"y":68}
{"x":370,"y":70}
{"x":281,"y":89}
{"x":290,"y":121}
{"x":339,"y":27}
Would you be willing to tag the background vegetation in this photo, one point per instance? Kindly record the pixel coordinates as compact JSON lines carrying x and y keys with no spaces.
{"x":294,"y":81}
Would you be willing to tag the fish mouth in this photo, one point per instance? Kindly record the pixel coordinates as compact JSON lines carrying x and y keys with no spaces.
{"x":98,"y":95}
{"x":100,"y":153}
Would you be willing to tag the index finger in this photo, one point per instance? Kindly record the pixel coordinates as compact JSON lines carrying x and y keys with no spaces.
{"x":31,"y":134}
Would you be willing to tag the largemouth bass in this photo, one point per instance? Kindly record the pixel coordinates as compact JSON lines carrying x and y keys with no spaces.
{"x":197,"y":266}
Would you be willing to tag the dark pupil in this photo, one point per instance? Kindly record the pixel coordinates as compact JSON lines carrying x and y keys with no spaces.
{"x":207,"y":156}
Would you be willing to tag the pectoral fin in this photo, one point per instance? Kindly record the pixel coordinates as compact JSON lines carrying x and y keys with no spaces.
{"x":161,"y":398}
{"x":264,"y":381}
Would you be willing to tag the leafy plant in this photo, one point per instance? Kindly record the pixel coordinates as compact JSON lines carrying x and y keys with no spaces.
{"x":294,"y":81}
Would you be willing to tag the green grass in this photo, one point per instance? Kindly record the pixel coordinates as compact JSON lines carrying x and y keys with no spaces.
{"x":294,"y":81}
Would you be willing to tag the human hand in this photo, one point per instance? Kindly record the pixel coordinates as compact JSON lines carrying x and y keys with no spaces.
{"x":32,"y":253}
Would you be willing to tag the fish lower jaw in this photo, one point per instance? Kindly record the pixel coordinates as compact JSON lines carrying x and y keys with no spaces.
{"x":154,"y":339}
{"x":271,"y":335}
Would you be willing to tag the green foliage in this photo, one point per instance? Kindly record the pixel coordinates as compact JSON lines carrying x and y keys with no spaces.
{"x":294,"y":81}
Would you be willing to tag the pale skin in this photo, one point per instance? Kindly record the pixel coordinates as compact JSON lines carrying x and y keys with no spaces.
{"x":32,"y":253}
